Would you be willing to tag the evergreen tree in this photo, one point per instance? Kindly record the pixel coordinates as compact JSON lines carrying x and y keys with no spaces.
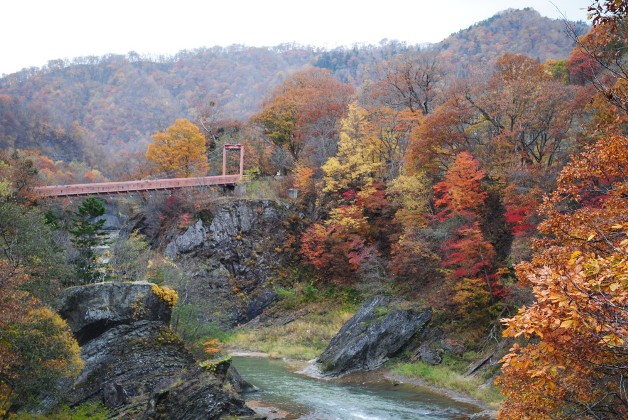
{"x":88,"y":234}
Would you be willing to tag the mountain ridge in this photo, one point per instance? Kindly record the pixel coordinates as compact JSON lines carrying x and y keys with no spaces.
{"x":116,"y":102}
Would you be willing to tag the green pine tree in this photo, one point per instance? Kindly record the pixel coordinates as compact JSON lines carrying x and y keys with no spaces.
{"x":87,"y":235}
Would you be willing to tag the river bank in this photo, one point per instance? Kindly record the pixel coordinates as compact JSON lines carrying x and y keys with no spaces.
{"x":489,"y":411}
{"x":298,"y":336}
{"x":405,"y":396}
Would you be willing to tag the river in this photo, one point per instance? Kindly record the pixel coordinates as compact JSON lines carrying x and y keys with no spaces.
{"x":358,"y":396}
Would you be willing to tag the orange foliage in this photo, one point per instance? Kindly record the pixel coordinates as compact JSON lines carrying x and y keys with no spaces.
{"x":346,"y":241}
{"x":607,"y":117}
{"x":179,"y":151}
{"x":313,"y":246}
{"x":515,"y":67}
{"x":439,"y":137}
{"x":515,"y":120}
{"x":51,"y":172}
{"x":461,"y":192}
{"x":604,"y":47}
{"x":609,"y":12}
{"x":469,"y":253}
{"x":589,"y":200}
{"x":304,"y":108}
{"x":576,"y":364}
{"x":212,"y":347}
{"x":303,"y":178}
{"x":329,"y":249}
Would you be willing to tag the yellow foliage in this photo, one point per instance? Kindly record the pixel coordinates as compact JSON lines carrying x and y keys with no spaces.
{"x":411,"y":194}
{"x":68,"y":362}
{"x":166,"y":294}
{"x":5,"y":188}
{"x":37,"y":349}
{"x":349,"y":217}
{"x":358,"y":159}
{"x":179,"y":151}
{"x":5,"y":399}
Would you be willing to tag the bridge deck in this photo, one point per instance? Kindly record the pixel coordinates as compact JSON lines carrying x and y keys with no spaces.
{"x":125,"y":187}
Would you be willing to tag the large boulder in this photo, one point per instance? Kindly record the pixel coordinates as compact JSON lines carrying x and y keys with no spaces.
{"x":380,"y":329}
{"x":134,"y":364}
{"x":143,"y":371}
{"x":92,"y":309}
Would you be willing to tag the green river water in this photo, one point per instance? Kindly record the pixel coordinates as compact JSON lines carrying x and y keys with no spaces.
{"x":359,"y":396}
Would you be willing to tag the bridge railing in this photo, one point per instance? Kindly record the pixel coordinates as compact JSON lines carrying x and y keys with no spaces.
{"x":122,"y":187}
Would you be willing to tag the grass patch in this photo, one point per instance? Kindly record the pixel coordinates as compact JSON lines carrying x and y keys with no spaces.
{"x":185,"y":323}
{"x":445,"y":377}
{"x":304,"y":338}
{"x":268,"y":188}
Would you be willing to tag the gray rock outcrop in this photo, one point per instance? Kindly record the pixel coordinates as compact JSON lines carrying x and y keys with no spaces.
{"x":92,"y":309}
{"x":429,"y":355}
{"x":134,"y":363}
{"x":238,"y":383}
{"x":110,"y":221}
{"x":379,"y":330}
{"x":192,"y":239}
{"x":229,"y":254}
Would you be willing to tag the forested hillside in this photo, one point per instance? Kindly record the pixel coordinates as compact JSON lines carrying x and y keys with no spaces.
{"x":23,"y":127}
{"x":118,"y":101}
{"x":513,"y":31}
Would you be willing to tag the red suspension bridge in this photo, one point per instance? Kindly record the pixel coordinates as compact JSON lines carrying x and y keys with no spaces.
{"x":127,"y":187}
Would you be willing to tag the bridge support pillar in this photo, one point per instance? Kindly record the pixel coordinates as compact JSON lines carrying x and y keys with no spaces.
{"x":237,"y":147}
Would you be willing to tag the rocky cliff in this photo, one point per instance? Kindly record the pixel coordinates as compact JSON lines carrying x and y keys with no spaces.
{"x":229,"y":255}
{"x":134,"y":363}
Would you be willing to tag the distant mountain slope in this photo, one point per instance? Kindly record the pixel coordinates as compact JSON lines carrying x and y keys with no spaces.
{"x":513,"y":31}
{"x":118,"y":101}
{"x":22,"y":128}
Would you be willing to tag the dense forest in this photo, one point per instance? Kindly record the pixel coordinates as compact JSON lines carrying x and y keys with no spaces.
{"x":483,"y":177}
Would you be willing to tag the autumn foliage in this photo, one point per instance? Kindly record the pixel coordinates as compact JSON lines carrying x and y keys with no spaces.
{"x":305,"y":107}
{"x":576,"y":359}
{"x":212,"y":347}
{"x":485,"y":187}
{"x":461,"y":193}
{"x":461,"y":196}
{"x":37,"y":348}
{"x":178,"y":152}
{"x":339,"y":245}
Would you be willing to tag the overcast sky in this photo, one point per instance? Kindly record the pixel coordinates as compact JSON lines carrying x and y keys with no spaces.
{"x":35,"y":31}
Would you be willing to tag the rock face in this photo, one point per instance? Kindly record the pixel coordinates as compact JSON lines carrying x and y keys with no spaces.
{"x":110,"y":221}
{"x":93,"y":309}
{"x":379,"y":330}
{"x":134,"y":363}
{"x":192,"y":239}
{"x":229,"y":256}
